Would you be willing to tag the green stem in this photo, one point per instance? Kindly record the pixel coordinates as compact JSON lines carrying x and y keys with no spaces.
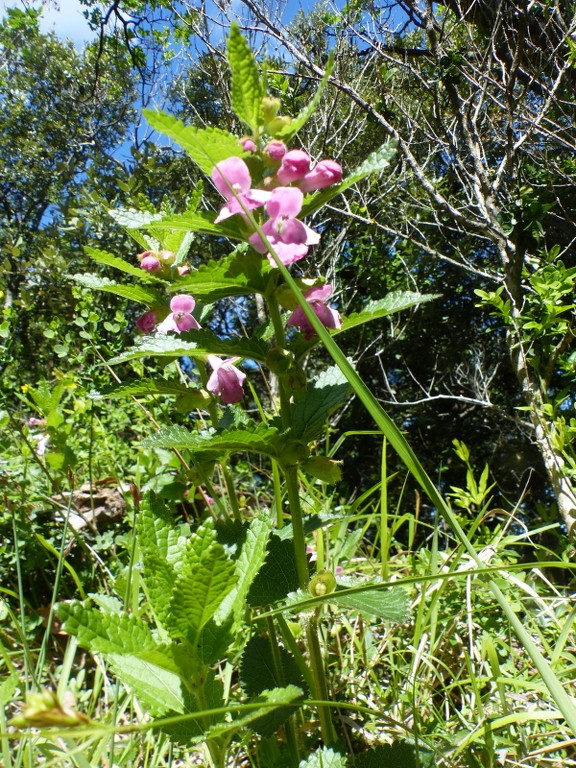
{"x":293,"y":492}
{"x":290,"y":728}
{"x":321,"y":688}
{"x":280,"y":340}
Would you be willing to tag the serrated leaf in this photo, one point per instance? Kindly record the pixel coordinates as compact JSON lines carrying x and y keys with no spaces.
{"x":204,"y":343}
{"x":105,"y":632}
{"x":131,"y":218}
{"x":206,"y":577}
{"x":259,"y":672}
{"x":263,"y":440}
{"x":326,"y":393}
{"x":161,"y":690}
{"x":249,"y":561}
{"x":142,"y":388}
{"x":109,"y":260}
{"x":133,"y":292}
{"x":246,"y":90}
{"x":400,"y":754}
{"x":396,"y":301}
{"x":162,"y":550}
{"x":324,"y":758}
{"x":278,"y":576}
{"x":287,"y":132}
{"x":269,"y":700}
{"x":389,"y":604}
{"x":236,"y":275}
{"x":376,"y":162}
{"x":206,"y":146}
{"x":198,"y":221}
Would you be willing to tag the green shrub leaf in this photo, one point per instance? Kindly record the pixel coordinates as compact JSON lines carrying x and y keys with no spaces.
{"x":327,"y":392}
{"x":135,"y":293}
{"x":102,"y":632}
{"x":206,"y":146}
{"x":247,"y":90}
{"x":291,"y":129}
{"x":202,"y":344}
{"x":265,"y":440}
{"x":396,"y":301}
{"x":278,"y":576}
{"x":376,"y":162}
{"x":236,"y":275}
{"x":390,"y":604}
{"x":247,"y":565}
{"x":258,"y":672}
{"x":142,"y":388}
{"x":325,"y":758}
{"x":161,"y":690}
{"x":206,"y":577}
{"x":109,"y":260}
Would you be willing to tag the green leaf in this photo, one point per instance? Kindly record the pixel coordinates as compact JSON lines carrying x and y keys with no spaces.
{"x":105,"y":632}
{"x":246,"y":90}
{"x":389,"y":604}
{"x":376,"y":162}
{"x":133,"y":292}
{"x":162,"y":549}
{"x":109,"y":260}
{"x":324,"y":758}
{"x":265,"y":440}
{"x":142,"y":388}
{"x":259,"y":672}
{"x":206,"y":146}
{"x":161,"y":690}
{"x":396,"y":301}
{"x":198,"y":221}
{"x":236,"y":275}
{"x":327,"y":392}
{"x":278,"y":576}
{"x":206,"y":577}
{"x":270,"y":700}
{"x":131,"y":218}
{"x":205,"y":343}
{"x":401,"y":754}
{"x":249,"y":561}
{"x":290,"y":130}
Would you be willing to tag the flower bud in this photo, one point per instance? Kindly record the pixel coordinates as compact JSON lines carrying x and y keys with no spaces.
{"x":270,"y":108}
{"x":276,"y":125}
{"x":248,"y":144}
{"x":322,"y":584}
{"x":147,"y":322}
{"x":151,"y":264}
{"x":275,"y":150}
{"x":322,"y":468}
{"x":279,"y":360}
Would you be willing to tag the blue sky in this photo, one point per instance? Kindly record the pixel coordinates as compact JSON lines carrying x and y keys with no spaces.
{"x":65,"y":18}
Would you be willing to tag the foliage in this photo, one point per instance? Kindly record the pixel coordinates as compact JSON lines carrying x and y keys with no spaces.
{"x":242,"y":601}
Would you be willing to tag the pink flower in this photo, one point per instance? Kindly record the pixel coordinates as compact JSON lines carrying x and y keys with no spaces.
{"x":147,"y":322}
{"x":232,"y":179}
{"x":288,"y":236}
{"x":326,"y":173}
{"x":226,"y":380}
{"x":248,"y":145}
{"x":295,"y":165}
{"x":151,"y":264}
{"x":33,"y":421}
{"x":316,"y":298}
{"x":152,"y":261}
{"x":275,"y":150}
{"x":180,"y":319}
